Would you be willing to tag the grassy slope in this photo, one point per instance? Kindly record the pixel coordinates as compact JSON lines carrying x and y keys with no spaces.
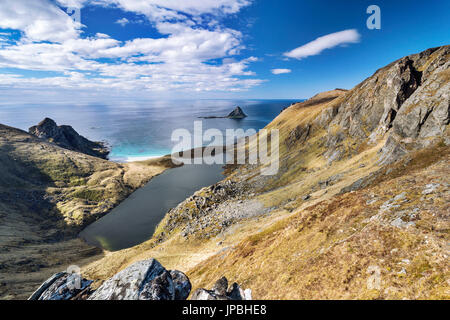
{"x":48,"y":194}
{"x":327,"y":250}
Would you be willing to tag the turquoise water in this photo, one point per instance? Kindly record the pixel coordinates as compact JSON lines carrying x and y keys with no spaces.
{"x":139,"y":130}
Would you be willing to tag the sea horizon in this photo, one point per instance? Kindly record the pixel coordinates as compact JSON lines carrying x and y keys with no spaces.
{"x":141,"y":129}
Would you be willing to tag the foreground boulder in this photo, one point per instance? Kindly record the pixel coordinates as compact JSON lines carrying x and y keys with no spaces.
{"x":144,"y":280}
{"x":66,"y":137}
{"x":220,"y":291}
{"x":62,"y":286}
{"x":182,"y":285}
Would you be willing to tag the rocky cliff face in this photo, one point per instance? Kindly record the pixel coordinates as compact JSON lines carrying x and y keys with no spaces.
{"x":407,"y":100}
{"x":66,"y":137}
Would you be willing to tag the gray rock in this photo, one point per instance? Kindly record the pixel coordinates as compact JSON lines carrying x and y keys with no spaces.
{"x":408,"y":100}
{"x":299,"y":134}
{"x":144,"y":280}
{"x":203,"y":294}
{"x":237,"y":114}
{"x":61,"y":286}
{"x":220,"y":292}
{"x":39,"y":291}
{"x":306,"y":197}
{"x":182,"y":285}
{"x":430,"y":188}
{"x":221,"y":286}
{"x":159,"y":288}
{"x":399,"y":223}
{"x":66,"y":137}
{"x":236,"y":293}
{"x":137,"y":282}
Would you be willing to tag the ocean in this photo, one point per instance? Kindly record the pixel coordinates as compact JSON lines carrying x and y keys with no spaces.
{"x":143,"y":129}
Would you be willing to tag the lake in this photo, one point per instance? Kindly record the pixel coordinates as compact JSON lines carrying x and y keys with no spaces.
{"x":135,"y":219}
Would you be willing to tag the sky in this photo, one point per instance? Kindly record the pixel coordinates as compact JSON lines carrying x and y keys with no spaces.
{"x":51,"y":50}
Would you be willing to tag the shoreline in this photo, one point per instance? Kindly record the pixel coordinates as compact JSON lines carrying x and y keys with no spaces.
{"x":131,"y":159}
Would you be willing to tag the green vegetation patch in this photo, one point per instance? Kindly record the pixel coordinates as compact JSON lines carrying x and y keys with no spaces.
{"x":89,"y":194}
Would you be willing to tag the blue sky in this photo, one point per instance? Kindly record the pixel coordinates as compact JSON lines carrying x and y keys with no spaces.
{"x":173,"y":49}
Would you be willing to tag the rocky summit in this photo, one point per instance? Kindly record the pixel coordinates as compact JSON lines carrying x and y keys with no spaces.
{"x":237,"y":114}
{"x":66,"y":137}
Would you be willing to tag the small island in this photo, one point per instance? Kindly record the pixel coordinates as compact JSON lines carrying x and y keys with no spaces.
{"x":237,"y":113}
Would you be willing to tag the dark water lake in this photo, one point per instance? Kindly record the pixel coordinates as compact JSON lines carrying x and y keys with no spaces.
{"x":135,"y":219}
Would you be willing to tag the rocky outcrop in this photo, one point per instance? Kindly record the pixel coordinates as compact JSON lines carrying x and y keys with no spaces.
{"x":144,"y":280}
{"x":220,"y":291}
{"x":408,"y":100}
{"x":182,"y":285}
{"x":66,"y":137}
{"x":237,"y":114}
{"x":62,"y":286}
{"x":299,"y":134}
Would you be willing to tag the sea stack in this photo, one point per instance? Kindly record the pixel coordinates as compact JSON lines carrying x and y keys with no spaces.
{"x":66,"y":137}
{"x":237,"y":114}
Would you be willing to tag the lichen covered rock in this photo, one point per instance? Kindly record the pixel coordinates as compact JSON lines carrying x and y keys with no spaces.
{"x":220,"y":291}
{"x":62,"y":286}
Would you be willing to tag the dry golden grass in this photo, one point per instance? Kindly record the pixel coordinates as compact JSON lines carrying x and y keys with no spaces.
{"x":326,"y":250}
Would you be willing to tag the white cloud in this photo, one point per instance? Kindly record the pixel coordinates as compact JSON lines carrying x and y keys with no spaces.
{"x":40,"y":20}
{"x":102,"y":35}
{"x":123,"y":22}
{"x":164,"y":9}
{"x":185,"y":44}
{"x":281,"y":71}
{"x":328,"y":41}
{"x":190,"y":58}
{"x":71,"y":3}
